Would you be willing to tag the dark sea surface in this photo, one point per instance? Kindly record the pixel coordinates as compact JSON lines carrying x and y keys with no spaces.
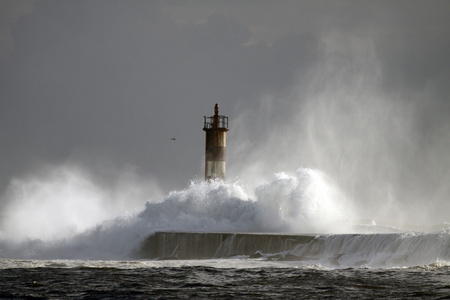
{"x":243,"y":278}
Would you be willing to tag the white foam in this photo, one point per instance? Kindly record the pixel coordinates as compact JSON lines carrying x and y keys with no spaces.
{"x":304,"y":202}
{"x":60,"y":202}
{"x":300,"y":203}
{"x":45,"y":213}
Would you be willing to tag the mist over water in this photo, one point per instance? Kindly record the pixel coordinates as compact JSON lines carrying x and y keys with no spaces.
{"x":303,"y":202}
{"x":386,"y":149}
{"x":55,"y":205}
{"x":62,"y":201}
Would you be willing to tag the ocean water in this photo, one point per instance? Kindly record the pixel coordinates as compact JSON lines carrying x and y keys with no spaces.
{"x":229,"y":278}
{"x":348,"y":258}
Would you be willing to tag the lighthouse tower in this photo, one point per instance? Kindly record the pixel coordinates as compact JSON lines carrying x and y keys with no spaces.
{"x":216,"y":128}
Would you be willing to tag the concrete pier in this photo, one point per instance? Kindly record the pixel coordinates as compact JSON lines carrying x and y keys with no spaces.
{"x":194,"y":245}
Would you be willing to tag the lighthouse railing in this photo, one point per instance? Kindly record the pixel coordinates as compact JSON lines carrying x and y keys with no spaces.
{"x":222,"y":122}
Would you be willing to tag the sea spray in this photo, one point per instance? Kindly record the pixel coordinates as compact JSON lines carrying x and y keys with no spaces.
{"x":385,"y":148}
{"x":298,"y":203}
{"x":202,"y":206}
{"x":60,"y":202}
{"x":307,"y":202}
{"x":301,"y":203}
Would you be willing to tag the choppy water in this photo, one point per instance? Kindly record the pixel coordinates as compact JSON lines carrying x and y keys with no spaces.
{"x":232,"y":278}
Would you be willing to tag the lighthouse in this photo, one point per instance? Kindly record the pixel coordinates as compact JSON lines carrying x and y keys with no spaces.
{"x":216,"y":128}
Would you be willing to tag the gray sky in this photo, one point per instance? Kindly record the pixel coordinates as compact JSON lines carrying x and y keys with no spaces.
{"x":358,"y":89}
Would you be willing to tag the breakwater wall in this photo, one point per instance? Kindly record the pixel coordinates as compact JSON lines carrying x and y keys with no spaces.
{"x":376,"y":250}
{"x":198,"y":245}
